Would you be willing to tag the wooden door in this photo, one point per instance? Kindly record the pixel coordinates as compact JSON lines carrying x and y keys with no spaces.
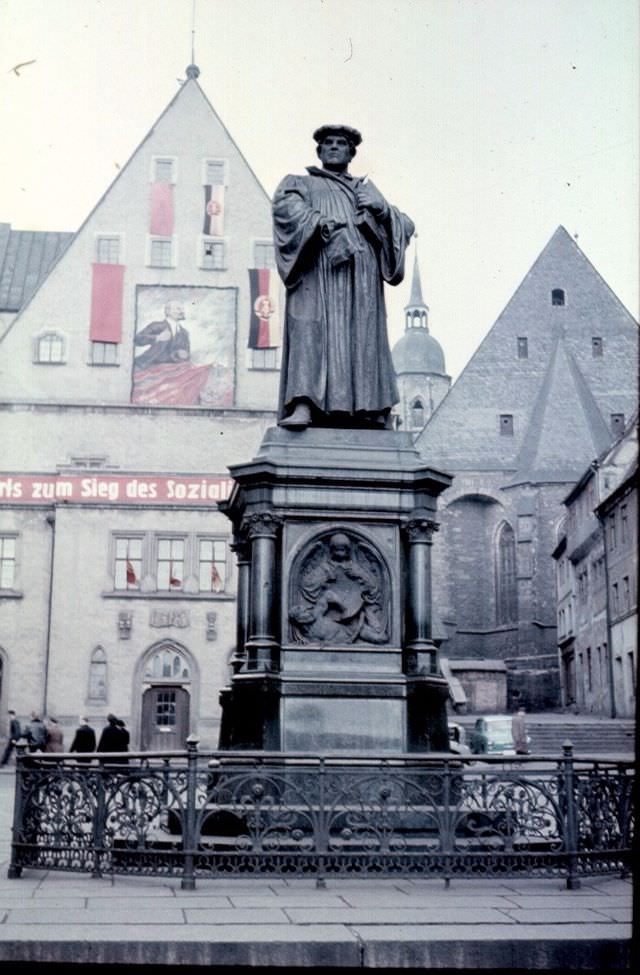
{"x":165,"y":718}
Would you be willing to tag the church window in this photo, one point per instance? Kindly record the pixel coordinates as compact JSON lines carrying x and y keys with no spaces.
{"x":128,"y":563}
{"x":7,"y":561}
{"x":104,"y":353}
{"x":597,"y":347}
{"x":265,"y":359}
{"x":416,"y":418}
{"x":170,"y":564}
{"x":263,"y":254}
{"x":212,"y":556}
{"x":167,"y":663}
{"x":108,"y":249}
{"x":557,"y":296}
{"x":98,"y":675}
{"x":506,"y":424}
{"x":50,"y":348}
{"x":214,"y":256}
{"x":523,"y":348}
{"x":617,"y":424}
{"x":507,"y":597}
{"x":164,"y":170}
{"x":215,"y":172}
{"x":161,"y":252}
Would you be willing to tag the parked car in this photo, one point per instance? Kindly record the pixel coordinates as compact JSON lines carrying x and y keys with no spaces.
{"x":458,"y":739}
{"x":491,"y":735}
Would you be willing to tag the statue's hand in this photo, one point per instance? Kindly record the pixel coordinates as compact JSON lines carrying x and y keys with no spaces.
{"x":329,"y":227}
{"x":369,"y":197}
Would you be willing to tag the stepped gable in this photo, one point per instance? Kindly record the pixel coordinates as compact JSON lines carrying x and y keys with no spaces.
{"x":464,"y":432}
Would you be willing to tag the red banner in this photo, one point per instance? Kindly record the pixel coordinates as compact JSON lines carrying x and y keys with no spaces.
{"x":47,"y":489}
{"x":106,"y":303}
{"x":161,"y":223}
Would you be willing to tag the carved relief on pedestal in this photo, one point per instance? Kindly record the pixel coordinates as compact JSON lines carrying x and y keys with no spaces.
{"x":339,"y":593}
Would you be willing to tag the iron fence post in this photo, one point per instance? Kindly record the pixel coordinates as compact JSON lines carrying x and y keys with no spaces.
{"x":322,"y":843}
{"x":98,"y":820}
{"x":446,"y":823}
{"x":189,"y":823}
{"x":14,"y":870}
{"x":571,"y":823}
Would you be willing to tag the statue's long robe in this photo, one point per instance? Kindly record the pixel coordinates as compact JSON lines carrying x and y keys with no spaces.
{"x":335,"y":350}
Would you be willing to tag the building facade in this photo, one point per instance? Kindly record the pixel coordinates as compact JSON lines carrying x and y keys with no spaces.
{"x":549,"y":388}
{"x":144,"y":363}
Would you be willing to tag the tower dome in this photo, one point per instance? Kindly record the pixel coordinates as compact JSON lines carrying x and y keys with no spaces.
{"x":419,"y":363}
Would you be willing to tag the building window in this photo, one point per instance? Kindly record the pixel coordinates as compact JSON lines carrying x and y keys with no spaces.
{"x":263,"y":253}
{"x":589,"y":670}
{"x":214,"y":257}
{"x":98,"y":676}
{"x":161,"y":252}
{"x":108,"y":249}
{"x":128,"y":563}
{"x":507,"y":596}
{"x":624,"y":523}
{"x":166,"y":709}
{"x":523,"y":348}
{"x":506,"y":424}
{"x":170,"y":566}
{"x":612,"y":532}
{"x":416,"y":414}
{"x":166,"y":664}
{"x":626,"y":593}
{"x":557,"y":296}
{"x":215,"y":172}
{"x":104,"y":353}
{"x":50,"y":348}
{"x":265,"y":358}
{"x":7,"y":561}
{"x":212,"y":560}
{"x":615,"y":598}
{"x":164,"y":170}
{"x":597,"y":347}
{"x":617,"y":424}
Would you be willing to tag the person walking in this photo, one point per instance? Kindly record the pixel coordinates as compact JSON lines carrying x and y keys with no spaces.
{"x":55,"y":736}
{"x":15,"y":732}
{"x":36,"y":733}
{"x":114,"y":738}
{"x":84,"y":739}
{"x":519,"y":732}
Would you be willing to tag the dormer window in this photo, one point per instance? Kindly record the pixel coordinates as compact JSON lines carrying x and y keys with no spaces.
{"x":557,"y":296}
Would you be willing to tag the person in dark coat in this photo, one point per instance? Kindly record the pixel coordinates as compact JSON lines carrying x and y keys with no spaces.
{"x":84,"y":739}
{"x":55,"y":736}
{"x":36,"y":733}
{"x":114,"y":738}
{"x":15,"y":732}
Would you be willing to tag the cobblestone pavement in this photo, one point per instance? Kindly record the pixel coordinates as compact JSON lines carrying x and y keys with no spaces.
{"x":50,"y":917}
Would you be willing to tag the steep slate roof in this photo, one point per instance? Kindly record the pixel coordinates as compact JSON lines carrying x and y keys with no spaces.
{"x":560,"y":396}
{"x":26,"y":256}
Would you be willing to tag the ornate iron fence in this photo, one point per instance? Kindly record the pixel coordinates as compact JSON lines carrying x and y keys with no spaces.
{"x":221,"y":814}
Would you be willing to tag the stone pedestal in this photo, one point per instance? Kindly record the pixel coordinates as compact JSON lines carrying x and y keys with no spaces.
{"x":333,"y":531}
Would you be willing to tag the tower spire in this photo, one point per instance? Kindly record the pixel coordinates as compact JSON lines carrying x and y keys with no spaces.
{"x":417,"y":311}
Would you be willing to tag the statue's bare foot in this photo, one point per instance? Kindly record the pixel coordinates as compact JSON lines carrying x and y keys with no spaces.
{"x":300,"y":418}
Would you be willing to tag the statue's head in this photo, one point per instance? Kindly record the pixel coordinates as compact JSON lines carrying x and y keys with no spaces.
{"x":336,"y":145}
{"x":339,"y":547}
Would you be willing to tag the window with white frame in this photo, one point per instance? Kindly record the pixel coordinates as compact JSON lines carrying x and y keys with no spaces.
{"x":104,"y":353}
{"x":213,"y":255}
{"x":212,"y":564}
{"x":164,"y":169}
{"x":215,"y":172}
{"x":264,"y":254}
{"x":127,"y":563}
{"x":161,"y":251}
{"x":265,"y":359}
{"x":50,"y":348}
{"x":7,"y":561}
{"x":170,"y":564}
{"x":108,"y":249}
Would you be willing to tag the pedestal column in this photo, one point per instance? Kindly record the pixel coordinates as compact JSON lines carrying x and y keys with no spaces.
{"x":262,"y":529}
{"x":421,"y":653}
{"x":242,"y":549}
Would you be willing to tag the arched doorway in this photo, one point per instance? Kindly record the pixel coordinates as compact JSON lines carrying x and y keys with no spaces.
{"x":166,"y":699}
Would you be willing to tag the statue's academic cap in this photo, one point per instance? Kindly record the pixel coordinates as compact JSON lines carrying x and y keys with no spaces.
{"x":352,"y":135}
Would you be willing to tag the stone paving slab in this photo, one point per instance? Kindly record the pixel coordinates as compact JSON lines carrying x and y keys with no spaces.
{"x":394,"y":916}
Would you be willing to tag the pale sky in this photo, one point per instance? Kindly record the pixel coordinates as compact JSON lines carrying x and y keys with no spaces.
{"x":490,"y":122}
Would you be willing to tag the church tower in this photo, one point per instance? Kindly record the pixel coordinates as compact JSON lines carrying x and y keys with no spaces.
{"x":419,"y":364}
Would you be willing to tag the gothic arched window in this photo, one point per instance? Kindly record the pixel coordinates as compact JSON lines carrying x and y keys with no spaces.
{"x":98,"y":675}
{"x":167,"y":663}
{"x":506,"y":585}
{"x":416,"y":416}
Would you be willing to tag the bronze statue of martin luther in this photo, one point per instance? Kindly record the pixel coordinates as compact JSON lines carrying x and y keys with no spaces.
{"x":337,"y":241}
